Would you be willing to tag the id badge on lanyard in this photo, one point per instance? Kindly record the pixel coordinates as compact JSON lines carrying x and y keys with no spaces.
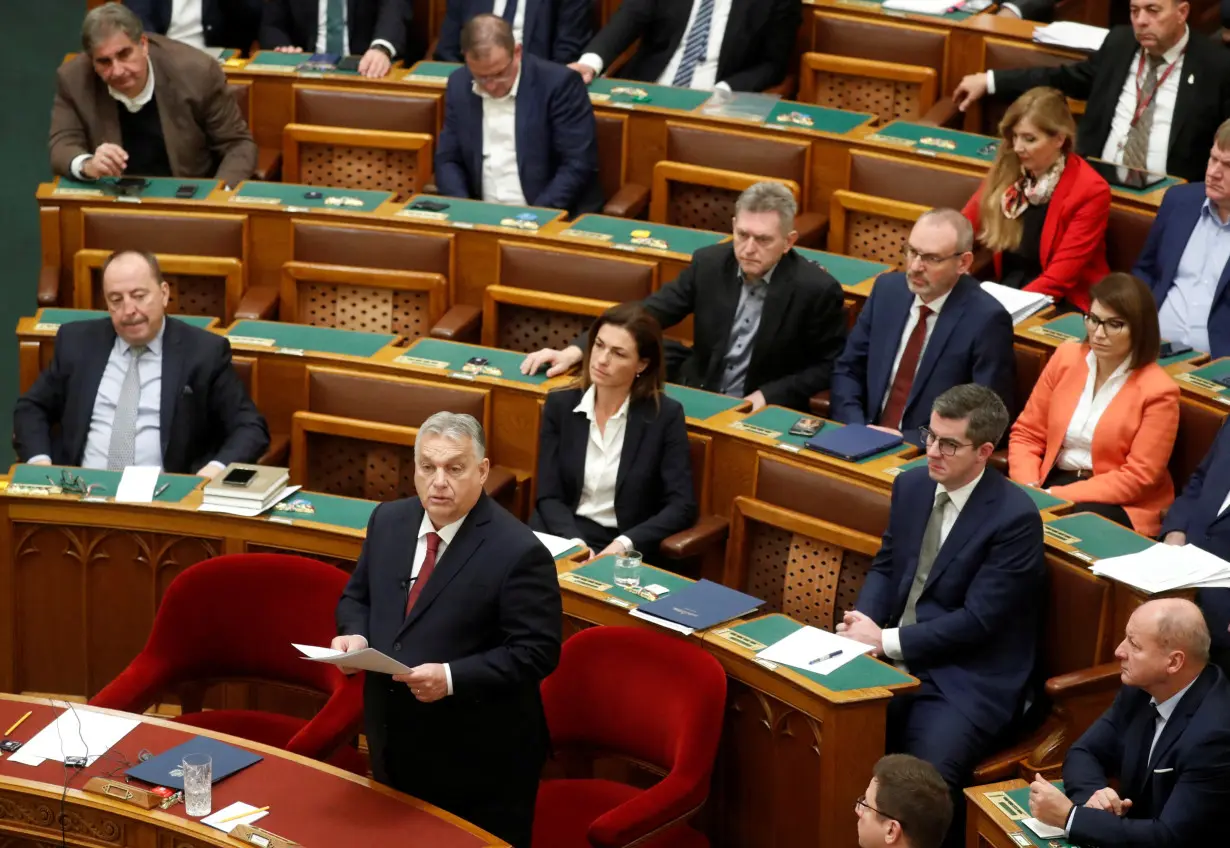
{"x":1143,"y":100}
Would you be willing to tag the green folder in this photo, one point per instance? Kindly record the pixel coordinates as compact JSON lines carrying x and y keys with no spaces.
{"x":455,"y":355}
{"x":431,"y":70}
{"x":618,"y":231}
{"x":480,"y":213}
{"x":969,"y":145}
{"x":326,"y":509}
{"x":257,"y":194}
{"x":318,"y":339}
{"x":845,"y":269}
{"x":700,"y":404}
{"x":603,"y":571}
{"x":178,"y":486}
{"x":157,"y":188}
{"x":781,"y":420}
{"x":1097,"y":537}
{"x":657,"y":96}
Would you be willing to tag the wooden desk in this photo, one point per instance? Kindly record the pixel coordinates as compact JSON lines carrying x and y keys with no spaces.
{"x":1046,"y":331}
{"x":310,"y":802}
{"x":986,"y":824}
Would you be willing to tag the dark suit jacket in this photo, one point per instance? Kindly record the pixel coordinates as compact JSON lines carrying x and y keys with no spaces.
{"x":492,"y":611}
{"x":557,"y":139}
{"x":653,"y":488}
{"x":205,"y":412}
{"x":1203,"y":100}
{"x":1180,"y":795}
{"x":294,"y":23}
{"x":227,"y":23}
{"x":1158,"y":262}
{"x":756,"y":47}
{"x":971,"y":342}
{"x":555,"y":30}
{"x":977,"y":619}
{"x":205,"y":134}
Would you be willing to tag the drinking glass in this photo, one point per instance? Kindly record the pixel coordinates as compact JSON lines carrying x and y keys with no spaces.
{"x":198,"y":783}
{"x":628,"y":570}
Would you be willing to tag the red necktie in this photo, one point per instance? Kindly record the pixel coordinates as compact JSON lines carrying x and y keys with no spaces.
{"x":904,"y":379}
{"x":429,"y":564}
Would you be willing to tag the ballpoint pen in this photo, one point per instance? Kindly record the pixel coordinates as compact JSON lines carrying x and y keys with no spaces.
{"x":160,"y":490}
{"x":834,"y":654}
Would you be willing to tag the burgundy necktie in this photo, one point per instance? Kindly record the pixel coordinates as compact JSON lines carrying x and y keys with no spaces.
{"x":904,"y":379}
{"x":429,"y":564}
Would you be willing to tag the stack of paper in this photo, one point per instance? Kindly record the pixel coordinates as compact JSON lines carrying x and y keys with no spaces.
{"x":367,"y":659}
{"x":76,"y":732}
{"x":558,"y":545}
{"x":814,"y":650}
{"x":1071,"y":34}
{"x":266,"y":487}
{"x":923,"y":7}
{"x":1020,"y":304}
{"x":1166,"y":568}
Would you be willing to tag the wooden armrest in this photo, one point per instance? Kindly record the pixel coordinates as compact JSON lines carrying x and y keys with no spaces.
{"x":259,"y":303}
{"x":709,"y":530}
{"x":461,"y":323}
{"x":49,"y":285}
{"x":944,"y":113}
{"x":819,"y":403}
{"x":813,"y":228}
{"x":999,"y":461}
{"x":630,"y":201}
{"x":278,"y":451}
{"x":268,"y":165}
{"x":501,"y":484}
{"x":1087,"y":681}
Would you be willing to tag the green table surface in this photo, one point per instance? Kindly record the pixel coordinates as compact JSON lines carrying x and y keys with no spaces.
{"x":845,"y":269}
{"x":678,"y":239}
{"x":660,"y":96}
{"x":861,"y":673}
{"x":484,"y":214}
{"x":178,"y":485}
{"x":1141,"y":192}
{"x":329,"y":509}
{"x":271,"y":59}
{"x":781,"y":419}
{"x":57,"y":316}
{"x":1041,"y":499}
{"x":700,"y":404}
{"x":456,"y":354}
{"x":159,"y":188}
{"x":1214,"y":371}
{"x":969,"y":145}
{"x":319,"y":339}
{"x":288,"y":194}
{"x":1073,"y":326}
{"x":603,"y":570}
{"x":437,"y":70}
{"x":1099,"y":537}
{"x":824,"y":119}
{"x":948,"y":16}
{"x":1021,"y":796}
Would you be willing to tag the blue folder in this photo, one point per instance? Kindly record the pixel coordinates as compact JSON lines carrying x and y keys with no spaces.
{"x":166,"y":769}
{"x":702,"y":605}
{"x":852,"y":442}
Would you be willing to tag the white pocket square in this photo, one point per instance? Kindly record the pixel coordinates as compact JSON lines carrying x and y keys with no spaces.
{"x":1163,"y":771}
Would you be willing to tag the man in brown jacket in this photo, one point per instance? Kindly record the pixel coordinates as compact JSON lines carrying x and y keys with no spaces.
{"x":145,"y":105}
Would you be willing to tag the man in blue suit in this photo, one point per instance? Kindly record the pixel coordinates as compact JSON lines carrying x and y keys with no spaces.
{"x":517,"y":129}
{"x":923,"y":332}
{"x":955,"y":593}
{"x":1186,"y":259}
{"x":555,"y":30}
{"x":1165,"y":740}
{"x":202,"y":23}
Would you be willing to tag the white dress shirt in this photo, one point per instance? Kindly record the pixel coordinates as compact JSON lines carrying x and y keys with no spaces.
{"x":957,"y":499}
{"x":704,"y":75}
{"x":149,"y":405}
{"x":518,"y":22}
{"x":935,"y":306}
{"x":1184,"y":316}
{"x":132,"y":104}
{"x":322,"y":35}
{"x":501,"y":179}
{"x":603,"y":449}
{"x":446,"y":533}
{"x":187,"y":24}
{"x":1076,"y":453}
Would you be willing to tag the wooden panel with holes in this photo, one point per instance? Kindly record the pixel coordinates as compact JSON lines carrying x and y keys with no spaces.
{"x":872,"y":228}
{"x":888,"y":90}
{"x":525,"y":321}
{"x":701,"y":198}
{"x":199,"y":285}
{"x":372,"y":300}
{"x":341,"y":157}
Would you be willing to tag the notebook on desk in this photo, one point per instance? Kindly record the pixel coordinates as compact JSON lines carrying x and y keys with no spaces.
{"x":852,"y":442}
{"x":166,"y":769}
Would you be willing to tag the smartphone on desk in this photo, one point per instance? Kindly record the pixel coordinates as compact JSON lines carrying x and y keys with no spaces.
{"x":429,"y":205}
{"x":239,"y":477}
{"x":129,"y":186}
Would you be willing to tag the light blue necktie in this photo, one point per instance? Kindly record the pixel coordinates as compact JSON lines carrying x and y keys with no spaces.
{"x":122,"y":451}
{"x":696,"y":45}
{"x":335,"y":26}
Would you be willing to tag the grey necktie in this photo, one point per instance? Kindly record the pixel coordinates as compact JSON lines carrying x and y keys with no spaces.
{"x":1136,"y":147}
{"x":123,"y":449}
{"x":926,"y":558}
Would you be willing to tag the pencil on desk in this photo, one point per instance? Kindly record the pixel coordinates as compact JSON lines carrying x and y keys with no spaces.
{"x":17,"y":723}
{"x":241,"y":815}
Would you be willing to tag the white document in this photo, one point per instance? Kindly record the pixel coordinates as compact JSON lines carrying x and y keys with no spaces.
{"x":814,"y":650}
{"x":368,"y":659}
{"x":557,"y":545}
{"x":1165,"y":568}
{"x":1071,"y":34}
{"x":921,"y":7}
{"x":216,"y":820}
{"x":77,"y":732}
{"x":662,"y":622}
{"x":1020,"y":304}
{"x":1042,"y":831}
{"x":250,"y":512}
{"x":138,"y":484}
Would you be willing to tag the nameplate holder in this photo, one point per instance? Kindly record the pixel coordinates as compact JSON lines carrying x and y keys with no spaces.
{"x":463,"y":225}
{"x":261,"y":838}
{"x":117,"y":790}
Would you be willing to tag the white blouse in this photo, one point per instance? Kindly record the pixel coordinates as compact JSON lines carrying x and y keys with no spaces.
{"x":602,"y":453}
{"x":1076,"y":453}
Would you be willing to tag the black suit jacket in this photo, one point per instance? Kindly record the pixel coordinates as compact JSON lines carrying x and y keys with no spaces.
{"x":206,"y":413}
{"x":756,"y":47}
{"x":293,"y":23}
{"x":1203,"y":100}
{"x":492,"y":611}
{"x":802,"y":328}
{"x":1180,"y":795}
{"x":227,"y":23}
{"x":653,"y":488}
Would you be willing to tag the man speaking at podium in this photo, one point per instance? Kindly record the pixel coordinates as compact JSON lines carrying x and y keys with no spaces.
{"x":456,"y":588}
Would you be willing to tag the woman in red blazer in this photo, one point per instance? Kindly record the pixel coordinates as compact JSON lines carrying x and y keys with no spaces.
{"x":1042,"y":210}
{"x":1099,"y":426}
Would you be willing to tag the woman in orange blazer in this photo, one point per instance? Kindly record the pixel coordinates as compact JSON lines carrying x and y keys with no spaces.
{"x":1099,"y":426}
{"x":1042,"y":210}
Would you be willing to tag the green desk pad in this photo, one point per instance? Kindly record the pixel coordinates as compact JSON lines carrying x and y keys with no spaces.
{"x":329,"y":509}
{"x":618,"y":231}
{"x":700,"y":404}
{"x":178,"y":485}
{"x":861,"y":673}
{"x":969,"y":145}
{"x":479,"y":213}
{"x":948,"y":16}
{"x":823,"y":119}
{"x":1073,"y":326}
{"x":159,"y":188}
{"x":781,"y":420}
{"x":845,"y":269}
{"x":319,"y":339}
{"x":1042,"y":500}
{"x":431,"y":70}
{"x":1021,"y":797}
{"x":1098,"y":537}
{"x":660,"y":96}
{"x":268,"y":59}
{"x":59,"y":317}
{"x":456,"y":354}
{"x":603,"y":570}
{"x":1141,"y":192}
{"x":288,"y":194}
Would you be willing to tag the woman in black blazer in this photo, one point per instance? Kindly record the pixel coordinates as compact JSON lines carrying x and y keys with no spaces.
{"x":614,"y":468}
